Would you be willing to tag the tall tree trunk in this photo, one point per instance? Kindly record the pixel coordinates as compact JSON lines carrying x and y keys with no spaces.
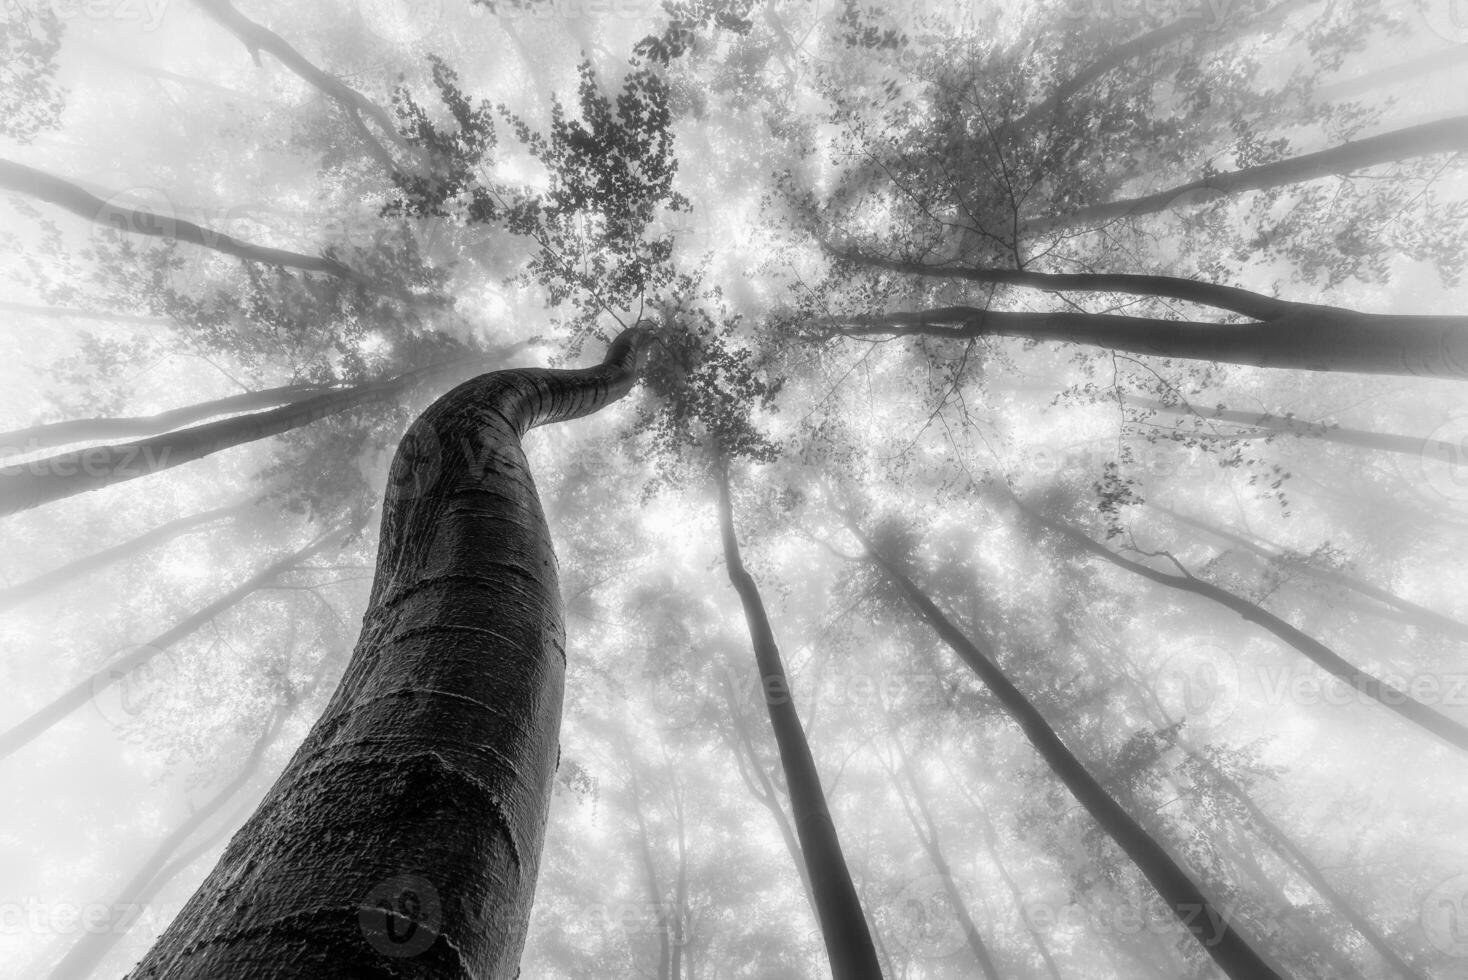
{"x":1385,"y":694}
{"x":404,"y":837}
{"x":680,"y":930}
{"x":87,"y":206}
{"x":765,"y":793}
{"x":650,"y":875}
{"x":1447,"y":452}
{"x":1270,"y":831}
{"x":51,"y":434}
{"x":31,"y":484}
{"x":256,"y":38}
{"x":1443,"y":136}
{"x":1309,"y":338}
{"x":82,"y":958}
{"x":1418,"y":615}
{"x":843,"y":925}
{"x":1231,"y":298}
{"x":927,"y":832}
{"x":40,"y":721}
{"x":1198,"y":915}
{"x":162,"y":534}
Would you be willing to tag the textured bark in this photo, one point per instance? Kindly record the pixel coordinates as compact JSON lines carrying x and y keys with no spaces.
{"x":1312,"y":338}
{"x":927,"y":832}
{"x":256,"y":38}
{"x":1197,"y":914}
{"x":51,"y":434}
{"x":843,"y":925}
{"x":403,"y":839}
{"x":31,"y":484}
{"x":1418,"y":615}
{"x":1443,"y":136}
{"x":1389,"y":442}
{"x":86,"y":205}
{"x":75,"y":697}
{"x":1387,"y":695}
{"x":160,"y":535}
{"x":82,"y":958}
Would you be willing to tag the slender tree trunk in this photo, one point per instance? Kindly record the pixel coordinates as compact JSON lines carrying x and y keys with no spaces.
{"x":1309,"y":338}
{"x":1230,"y":298}
{"x":927,"y":832}
{"x":257,"y":38}
{"x":160,"y":535}
{"x":86,"y":205}
{"x":1271,"y":832}
{"x":81,"y":960}
{"x":1389,"y":696}
{"x":1443,"y":136}
{"x":404,"y":837}
{"x":79,"y":694}
{"x":680,"y":895}
{"x":743,"y":745}
{"x":51,"y":434}
{"x":1447,"y":452}
{"x":1391,"y":75}
{"x":650,"y":877}
{"x":1417,"y":615}
{"x":31,"y":484}
{"x":1197,"y":914}
{"x":843,"y":925}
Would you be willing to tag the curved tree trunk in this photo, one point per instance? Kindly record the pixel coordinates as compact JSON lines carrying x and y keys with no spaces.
{"x":41,"y":481}
{"x":1387,"y":695}
{"x":79,"y":694}
{"x":1195,"y":911}
{"x":87,"y":206}
{"x":1309,"y":338}
{"x":1443,"y":136}
{"x":160,"y":535}
{"x":404,"y":837}
{"x":843,"y":925}
{"x":51,"y":434}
